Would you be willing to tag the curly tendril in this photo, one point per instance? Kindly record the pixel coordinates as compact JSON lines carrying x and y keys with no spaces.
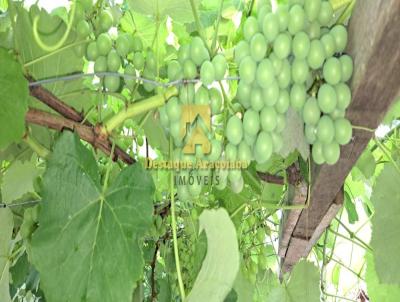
{"x":50,"y":48}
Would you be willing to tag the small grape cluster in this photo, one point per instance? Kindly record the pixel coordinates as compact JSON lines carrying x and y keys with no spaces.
{"x":290,"y":58}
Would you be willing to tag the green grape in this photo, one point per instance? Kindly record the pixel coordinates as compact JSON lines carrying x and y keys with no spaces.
{"x":283,"y":17}
{"x":297,"y":19}
{"x":234,"y":130}
{"x":264,"y":74}
{"x":282,"y":46}
{"x":314,"y":30}
{"x":222,"y":184}
{"x":250,"y":140}
{"x":92,"y":52}
{"x":300,"y":71}
{"x":138,"y":60}
{"x":243,"y":94}
{"x":347,"y":67}
{"x":285,"y":77}
{"x":123,"y":45}
{"x":247,"y":70}
{"x":148,"y":74}
{"x":256,"y":99}
{"x":183,"y":53}
{"x":175,"y":129}
{"x":244,"y":152}
{"x":298,"y":95}
{"x":268,"y":119}
{"x":310,"y":132}
{"x":137,"y":44}
{"x":332,"y":71}
{"x":113,"y":61}
{"x":151,"y":61}
{"x":129,"y":70}
{"x":86,"y":4}
{"x":317,"y":153}
{"x":337,"y":113}
{"x":216,"y":100}
{"x":230,"y":152}
{"x":270,"y":26}
{"x":327,"y":98}
{"x":207,"y":73}
{"x":325,"y":130}
{"x":83,"y":29}
{"x":312,"y":9}
{"x":189,"y":69}
{"x":263,"y":147}
{"x":276,"y":63}
{"x":237,"y":185}
{"x":250,"y":28}
{"x":343,"y":94}
{"x":271,"y":93}
{"x":339,"y":33}
{"x":186,"y":94}
{"x":328,"y":42}
{"x":195,"y":188}
{"x":163,"y":117}
{"x":174,"y":71}
{"x":301,"y":45}
{"x":277,"y":141}
{"x":106,"y":20}
{"x":282,"y":105}
{"x":100,"y":65}
{"x":201,"y":97}
{"x":311,"y":112}
{"x":258,"y":47}
{"x":220,"y":66}
{"x":343,"y":131}
{"x":174,"y":110}
{"x":216,"y":150}
{"x":326,"y":13}
{"x":104,"y":44}
{"x":242,"y":50}
{"x":331,"y":153}
{"x":262,"y":12}
{"x":316,"y":55}
{"x":234,"y":175}
{"x":251,"y":122}
{"x":112,"y":83}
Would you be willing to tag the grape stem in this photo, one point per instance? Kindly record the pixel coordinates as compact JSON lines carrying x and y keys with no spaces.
{"x":136,"y":109}
{"x":198,"y":24}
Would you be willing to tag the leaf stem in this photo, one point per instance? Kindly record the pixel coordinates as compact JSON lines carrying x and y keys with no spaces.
{"x":384,"y":150}
{"x":214,"y":41}
{"x":40,"y":150}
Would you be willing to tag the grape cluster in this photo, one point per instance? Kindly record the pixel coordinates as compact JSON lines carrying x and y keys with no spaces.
{"x":290,"y":58}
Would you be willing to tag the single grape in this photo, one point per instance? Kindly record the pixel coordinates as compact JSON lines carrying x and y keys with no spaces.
{"x":174,"y":71}
{"x":263,"y":147}
{"x":282,"y":105}
{"x":276,"y":63}
{"x":104,"y":44}
{"x":175,"y":129}
{"x":234,"y":175}
{"x":332,"y":71}
{"x":317,"y":153}
{"x":250,"y":140}
{"x":242,"y":50}
{"x":311,"y":112}
{"x":301,"y":45}
{"x":123,"y":45}
{"x":247,"y":70}
{"x":258,"y":47}
{"x":270,"y":27}
{"x":283,"y":17}
{"x":327,"y":98}
{"x":198,"y":52}
{"x":262,"y":12}
{"x":300,"y":71}
{"x":237,"y":185}
{"x":220,"y":66}
{"x":256,"y":99}
{"x":234,"y":130}
{"x":347,"y":67}
{"x":244,"y":152}
{"x":250,"y":28}
{"x":100,"y":65}
{"x":326,"y":13}
{"x":201,"y":97}
{"x":113,"y":61}
{"x":189,"y":70}
{"x":137,"y":44}
{"x":314,"y":30}
{"x":343,"y":131}
{"x":264,"y":74}
{"x":285,"y":77}
{"x":83,"y":29}
{"x":207,"y":73}
{"x":310,"y":132}
{"x":151,"y":61}
{"x":312,"y":9}
{"x":243,"y":94}
{"x":183,"y":53}
{"x":163,"y":117}
{"x":337,"y":113}
{"x":251,"y":122}
{"x":271,"y":93}
{"x":316,"y":55}
{"x":277,"y":141}
{"x":129,"y":70}
{"x":86,"y":4}
{"x":106,"y":20}
{"x":216,"y":150}
{"x":298,"y":95}
{"x":231,"y":152}
{"x":92,"y":52}
{"x":343,"y":93}
{"x":186,"y":93}
{"x":331,"y":152}
{"x":216,"y":100}
{"x":325,"y":130}
{"x":148,"y":74}
{"x":268,"y":119}
{"x":339,"y":33}
{"x":112,"y":83}
{"x":174,"y":110}
{"x":297,"y":19}
{"x":328,"y":42}
{"x":282,"y":46}
{"x":138,"y":60}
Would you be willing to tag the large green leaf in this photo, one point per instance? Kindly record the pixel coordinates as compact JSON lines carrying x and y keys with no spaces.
{"x":386,"y":225}
{"x":6,"y":227}
{"x":221,"y":264}
{"x":303,"y":285}
{"x":86,"y":247}
{"x":177,"y":9}
{"x":376,"y":290}
{"x":13,"y":99}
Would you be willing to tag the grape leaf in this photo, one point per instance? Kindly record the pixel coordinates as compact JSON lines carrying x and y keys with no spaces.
{"x":6,"y":227}
{"x":376,"y":290}
{"x":351,"y":209}
{"x":86,"y":247}
{"x":216,"y":277}
{"x":303,"y":285}
{"x":293,"y":136}
{"x":13,"y":99}
{"x":177,"y":9}
{"x":18,"y":180}
{"x":386,"y":225}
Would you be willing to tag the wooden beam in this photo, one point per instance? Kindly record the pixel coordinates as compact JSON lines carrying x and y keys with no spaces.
{"x":374,"y":43}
